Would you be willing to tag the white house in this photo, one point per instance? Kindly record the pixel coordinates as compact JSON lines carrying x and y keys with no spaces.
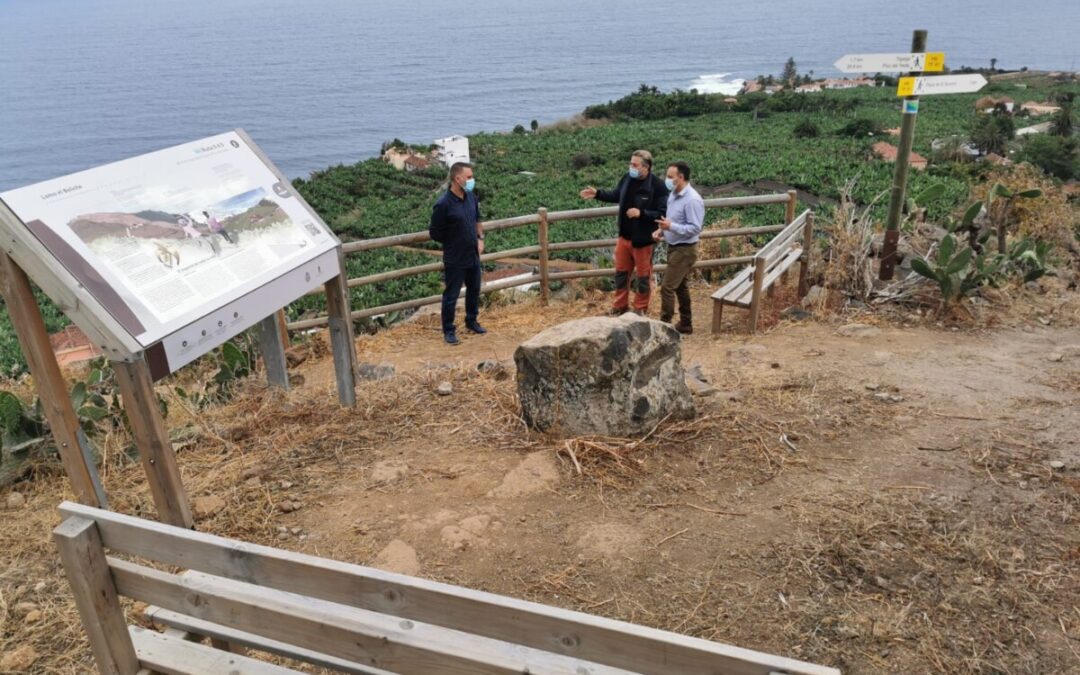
{"x":452,"y":150}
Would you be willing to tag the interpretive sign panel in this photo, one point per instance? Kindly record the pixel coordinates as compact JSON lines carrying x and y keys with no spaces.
{"x":182,"y":248}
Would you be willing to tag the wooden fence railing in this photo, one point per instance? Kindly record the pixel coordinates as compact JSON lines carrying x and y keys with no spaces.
{"x":542,"y":249}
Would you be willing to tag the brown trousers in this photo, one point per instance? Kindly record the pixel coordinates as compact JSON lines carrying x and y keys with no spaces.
{"x":680,"y":263}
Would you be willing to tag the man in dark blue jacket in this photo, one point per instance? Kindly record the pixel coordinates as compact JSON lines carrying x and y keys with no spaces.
{"x":642,"y":199}
{"x":455,"y":223}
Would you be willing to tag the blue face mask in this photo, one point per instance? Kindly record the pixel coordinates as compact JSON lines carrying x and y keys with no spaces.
{"x":669,"y":184}
{"x":634,"y":173}
{"x":470,"y":184}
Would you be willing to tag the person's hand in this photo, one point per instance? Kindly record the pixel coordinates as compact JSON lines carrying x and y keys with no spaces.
{"x":480,"y":247}
{"x":657,"y":234}
{"x":664,"y":223}
{"x":588,"y":193}
{"x":633,"y":213}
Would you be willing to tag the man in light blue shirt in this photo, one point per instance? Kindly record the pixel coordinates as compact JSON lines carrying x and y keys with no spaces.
{"x":681,"y":230}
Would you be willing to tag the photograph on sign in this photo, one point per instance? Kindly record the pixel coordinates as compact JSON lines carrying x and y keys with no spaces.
{"x":166,"y":238}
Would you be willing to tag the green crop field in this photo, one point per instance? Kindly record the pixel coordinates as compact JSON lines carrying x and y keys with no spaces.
{"x":750,"y":141}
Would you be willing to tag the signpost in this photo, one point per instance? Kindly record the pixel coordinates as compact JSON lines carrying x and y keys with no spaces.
{"x":940,"y":84}
{"x":915,"y":62}
{"x":930,"y":62}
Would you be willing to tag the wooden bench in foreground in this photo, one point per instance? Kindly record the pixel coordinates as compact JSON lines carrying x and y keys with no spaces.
{"x":339,"y":616}
{"x":770,"y":264}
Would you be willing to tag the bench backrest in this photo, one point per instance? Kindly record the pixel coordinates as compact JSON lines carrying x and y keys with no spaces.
{"x":389,"y":621}
{"x":786,"y":238}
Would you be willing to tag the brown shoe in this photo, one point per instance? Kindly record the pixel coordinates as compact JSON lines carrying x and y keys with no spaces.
{"x":685,"y":328}
{"x":618,"y":311}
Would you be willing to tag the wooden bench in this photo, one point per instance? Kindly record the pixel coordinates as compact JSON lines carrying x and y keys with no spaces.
{"x":770,"y":264}
{"x":340,"y":616}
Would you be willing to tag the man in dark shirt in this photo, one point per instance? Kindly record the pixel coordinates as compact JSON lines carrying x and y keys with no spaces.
{"x":455,"y":223}
{"x":642,"y":199}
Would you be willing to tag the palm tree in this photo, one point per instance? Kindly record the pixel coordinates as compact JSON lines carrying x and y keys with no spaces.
{"x":1063,"y":122}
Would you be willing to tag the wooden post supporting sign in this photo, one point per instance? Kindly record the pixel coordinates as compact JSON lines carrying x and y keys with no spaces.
{"x":342,"y":342}
{"x":71,"y":442}
{"x":152,"y":440}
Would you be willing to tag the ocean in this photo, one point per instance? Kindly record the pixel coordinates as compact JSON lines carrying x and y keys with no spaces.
{"x":325,"y":82}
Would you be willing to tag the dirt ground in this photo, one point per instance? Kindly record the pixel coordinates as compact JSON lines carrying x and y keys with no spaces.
{"x":883,"y":496}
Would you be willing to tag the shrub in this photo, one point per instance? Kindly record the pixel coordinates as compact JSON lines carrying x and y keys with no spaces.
{"x":860,"y":127}
{"x":807,"y":129}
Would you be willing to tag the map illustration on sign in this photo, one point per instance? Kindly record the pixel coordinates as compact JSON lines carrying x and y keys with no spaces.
{"x":165,"y":240}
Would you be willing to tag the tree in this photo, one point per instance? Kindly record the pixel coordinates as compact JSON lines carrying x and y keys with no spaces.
{"x":1059,"y":157}
{"x":1063,"y":122}
{"x":993,"y":64}
{"x":992,"y":133}
{"x":534,"y":125}
{"x":518,"y":129}
{"x":790,"y":74}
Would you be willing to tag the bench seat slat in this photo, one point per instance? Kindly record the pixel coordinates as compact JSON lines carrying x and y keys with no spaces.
{"x":160,"y":653}
{"x":772,"y":273}
{"x":741,"y":278}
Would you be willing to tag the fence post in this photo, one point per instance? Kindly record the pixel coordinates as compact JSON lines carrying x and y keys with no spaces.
{"x":789,"y":214}
{"x":755,"y":298}
{"x":807,"y":247}
{"x":545,"y":291}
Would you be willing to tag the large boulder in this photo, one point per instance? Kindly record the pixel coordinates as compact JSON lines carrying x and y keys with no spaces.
{"x":602,"y":375}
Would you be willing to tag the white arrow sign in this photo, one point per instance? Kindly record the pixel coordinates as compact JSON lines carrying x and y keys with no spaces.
{"x":942,"y":84}
{"x":930,"y":62}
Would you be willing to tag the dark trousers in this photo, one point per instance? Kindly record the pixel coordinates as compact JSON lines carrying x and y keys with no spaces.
{"x":454,"y":278}
{"x":680,"y":264}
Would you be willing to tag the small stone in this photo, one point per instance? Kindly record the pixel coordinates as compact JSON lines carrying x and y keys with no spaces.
{"x":41,"y":585}
{"x":699,"y":388}
{"x":444,"y":389}
{"x":282,"y":536}
{"x":287,"y":506}
{"x":492,"y":368}
{"x":1056,"y":357}
{"x":18,"y":660}
{"x":1057,"y":465}
{"x":697,"y":373}
{"x":15,"y":500}
{"x":872,"y":387}
{"x":389,"y":470}
{"x":848,"y":399}
{"x":859,"y":330}
{"x":205,"y":507}
{"x":796,"y":314}
{"x":24,"y":608}
{"x":285,"y":485}
{"x":398,"y":557}
{"x":296,"y":531}
{"x":370,"y":371}
{"x":33,"y":616}
{"x":282,"y":529}
{"x":814,"y":296}
{"x":896,"y":398}
{"x":253,"y":482}
{"x":884,"y":397}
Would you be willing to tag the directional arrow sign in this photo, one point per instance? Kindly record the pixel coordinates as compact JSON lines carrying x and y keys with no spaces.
{"x":930,"y":62}
{"x":942,"y":84}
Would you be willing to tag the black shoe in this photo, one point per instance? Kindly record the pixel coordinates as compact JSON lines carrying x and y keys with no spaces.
{"x":685,"y":327}
{"x":451,"y":338}
{"x":618,"y":311}
{"x":475,"y":327}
